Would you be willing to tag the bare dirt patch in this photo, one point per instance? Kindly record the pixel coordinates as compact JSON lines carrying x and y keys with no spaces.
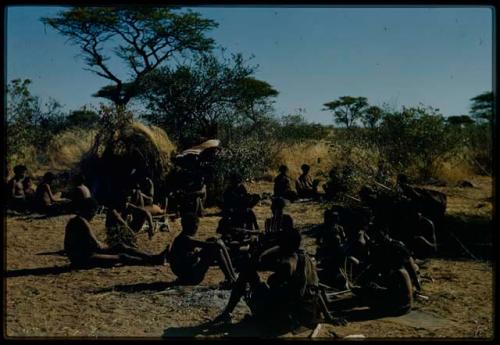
{"x":44,"y":298}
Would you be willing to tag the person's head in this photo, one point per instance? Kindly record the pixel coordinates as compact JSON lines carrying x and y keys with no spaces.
{"x":190,"y":222}
{"x":277,"y":205}
{"x":289,"y":241}
{"x":49,"y":177}
{"x":20,"y":170}
{"x":283,"y":169}
{"x":305,"y":168}
{"x":87,"y":208}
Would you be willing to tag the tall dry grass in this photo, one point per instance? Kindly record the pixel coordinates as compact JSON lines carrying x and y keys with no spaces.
{"x":67,"y":148}
{"x":323,"y":155}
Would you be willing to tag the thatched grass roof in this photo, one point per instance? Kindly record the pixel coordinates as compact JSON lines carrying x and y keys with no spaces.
{"x":136,"y":146}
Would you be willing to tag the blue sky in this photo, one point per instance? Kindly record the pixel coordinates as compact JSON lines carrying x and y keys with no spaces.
{"x":402,"y":56}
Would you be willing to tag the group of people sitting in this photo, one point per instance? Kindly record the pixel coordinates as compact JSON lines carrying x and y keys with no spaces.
{"x":291,"y":295}
{"x":23,"y":197}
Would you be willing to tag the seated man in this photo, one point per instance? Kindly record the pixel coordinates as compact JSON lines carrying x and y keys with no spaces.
{"x":235,"y":193}
{"x":45,"y":200}
{"x":279,"y":221}
{"x":190,"y":258}
{"x":391,"y":277}
{"x":332,"y":252}
{"x":289,"y":297}
{"x":16,"y":197}
{"x":282,"y":185}
{"x":305,"y":186}
{"x":333,"y":187}
{"x":79,"y":192}
{"x":29,"y":193}
{"x":84,"y":249}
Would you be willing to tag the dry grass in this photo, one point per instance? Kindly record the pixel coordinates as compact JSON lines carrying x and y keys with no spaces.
{"x":127,"y":302}
{"x":67,"y":148}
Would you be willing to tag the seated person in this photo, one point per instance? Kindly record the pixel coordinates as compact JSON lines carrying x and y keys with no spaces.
{"x":282,"y":185}
{"x":279,"y":221}
{"x":84,"y":249}
{"x":333,"y":187}
{"x":305,"y":186}
{"x":79,"y":192}
{"x":289,"y":297}
{"x":29,"y":192}
{"x":235,"y":193}
{"x":118,"y":225}
{"x":191,"y":192}
{"x":45,"y":200}
{"x":332,"y":252}
{"x":16,"y":197}
{"x":418,"y":235}
{"x":144,"y":193}
{"x":391,"y":277}
{"x":190,"y":258}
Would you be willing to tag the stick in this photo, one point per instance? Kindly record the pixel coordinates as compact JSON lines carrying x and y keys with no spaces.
{"x":462,"y":245}
{"x":352,"y":198}
{"x":382,"y":185}
{"x":316,"y":330}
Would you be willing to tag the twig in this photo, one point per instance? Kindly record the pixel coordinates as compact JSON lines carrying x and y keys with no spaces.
{"x":316,"y":330}
{"x":463,"y":246}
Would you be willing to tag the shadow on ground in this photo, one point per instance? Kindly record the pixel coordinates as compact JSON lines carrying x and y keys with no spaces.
{"x":248,"y":327}
{"x":40,"y":271}
{"x":140,"y":287}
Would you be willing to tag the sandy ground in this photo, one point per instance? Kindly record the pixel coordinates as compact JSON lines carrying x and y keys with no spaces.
{"x":45,"y":299}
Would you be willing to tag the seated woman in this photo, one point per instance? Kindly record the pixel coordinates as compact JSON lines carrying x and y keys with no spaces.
{"x":45,"y":200}
{"x":305,"y":186}
{"x":16,"y":197}
{"x":143,"y":196}
{"x":84,"y":249}
{"x":124,"y":220}
{"x":190,"y":258}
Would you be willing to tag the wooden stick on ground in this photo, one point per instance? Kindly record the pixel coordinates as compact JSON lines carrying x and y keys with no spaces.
{"x":316,"y":330}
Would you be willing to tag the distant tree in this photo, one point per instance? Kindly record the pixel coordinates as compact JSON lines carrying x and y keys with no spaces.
{"x":142,"y":37}
{"x":416,"y":136}
{"x":201,"y":98}
{"x":83,"y":118}
{"x":459,"y":120}
{"x":372,"y":116}
{"x":347,"y":110}
{"x":30,"y":122}
{"x":482,"y":106}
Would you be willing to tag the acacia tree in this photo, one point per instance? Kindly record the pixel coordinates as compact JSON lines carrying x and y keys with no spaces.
{"x":198,"y":99}
{"x":372,"y":116}
{"x":347,"y":109}
{"x":482,"y":107}
{"x":142,"y":37}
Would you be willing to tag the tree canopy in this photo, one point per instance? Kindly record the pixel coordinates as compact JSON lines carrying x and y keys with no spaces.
{"x":347,"y":109}
{"x":200,"y":98}
{"x":482,"y":106}
{"x":142,"y":37}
